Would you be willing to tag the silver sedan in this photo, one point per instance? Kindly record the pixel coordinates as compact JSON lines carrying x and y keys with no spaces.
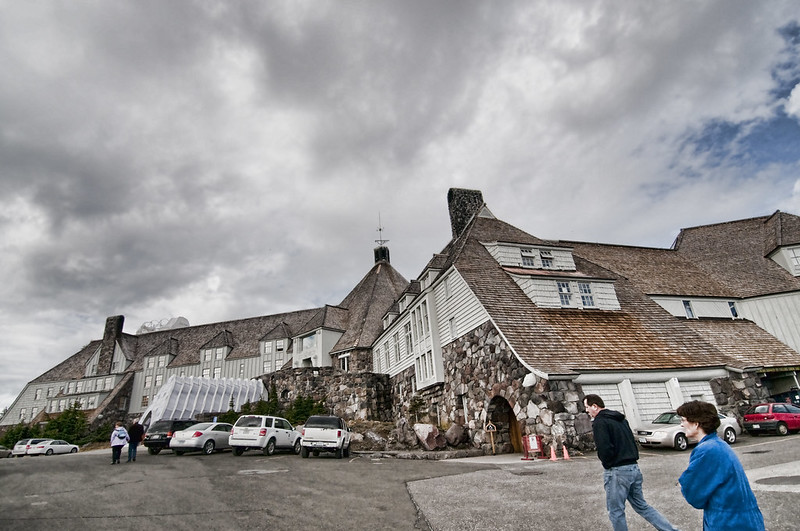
{"x":666,"y":430}
{"x":207,"y":437}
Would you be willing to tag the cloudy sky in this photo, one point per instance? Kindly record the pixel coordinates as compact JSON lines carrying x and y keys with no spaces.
{"x":219,"y":160}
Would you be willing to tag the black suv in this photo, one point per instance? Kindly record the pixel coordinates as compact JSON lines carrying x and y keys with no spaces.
{"x":160,"y":433}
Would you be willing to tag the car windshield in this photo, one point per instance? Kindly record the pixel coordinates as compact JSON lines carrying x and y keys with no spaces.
{"x":322,"y":422}
{"x":161,"y":425}
{"x":667,"y":418}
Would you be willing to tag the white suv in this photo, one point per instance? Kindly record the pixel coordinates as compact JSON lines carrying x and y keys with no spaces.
{"x":264,"y":433}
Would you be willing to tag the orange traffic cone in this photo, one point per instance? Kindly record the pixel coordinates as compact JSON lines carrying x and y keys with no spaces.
{"x":566,"y":454}
{"x":553,"y":453}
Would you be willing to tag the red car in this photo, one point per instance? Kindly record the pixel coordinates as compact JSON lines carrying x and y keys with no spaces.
{"x":774,"y":417}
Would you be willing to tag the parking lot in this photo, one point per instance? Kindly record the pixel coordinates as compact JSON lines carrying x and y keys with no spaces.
{"x":221,"y":491}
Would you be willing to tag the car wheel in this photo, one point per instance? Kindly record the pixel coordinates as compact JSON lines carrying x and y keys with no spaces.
{"x":269,"y":449}
{"x":208,"y":447}
{"x":338,"y":453}
{"x":729,"y":435}
{"x":74,"y":451}
{"x":49,"y":451}
{"x":238,"y":451}
{"x":782,"y":429}
{"x":303,"y":452}
{"x":315,"y":453}
{"x":297,"y":446}
{"x":681,"y":443}
{"x":346,"y":451}
{"x":153,"y":451}
{"x":178,"y":452}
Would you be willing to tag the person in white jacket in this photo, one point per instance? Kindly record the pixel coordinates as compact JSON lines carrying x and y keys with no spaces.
{"x":119,"y":438}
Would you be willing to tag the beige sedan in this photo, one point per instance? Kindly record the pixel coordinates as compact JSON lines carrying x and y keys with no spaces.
{"x":666,"y":430}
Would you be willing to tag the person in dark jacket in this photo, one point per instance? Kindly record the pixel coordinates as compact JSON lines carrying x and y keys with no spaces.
{"x":136,"y":434}
{"x":622,"y":478}
{"x":715,"y":480}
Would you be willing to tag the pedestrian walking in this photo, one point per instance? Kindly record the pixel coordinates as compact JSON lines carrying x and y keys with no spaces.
{"x":119,"y":438}
{"x":715,"y":480}
{"x":619,"y":455}
{"x":135,"y":434}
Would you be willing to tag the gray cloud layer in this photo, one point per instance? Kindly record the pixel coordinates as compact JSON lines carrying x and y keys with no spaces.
{"x":220,"y":160}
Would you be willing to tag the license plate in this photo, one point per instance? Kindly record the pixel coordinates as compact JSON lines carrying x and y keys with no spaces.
{"x":642,"y":440}
{"x":318,"y":444}
{"x":756,"y":426}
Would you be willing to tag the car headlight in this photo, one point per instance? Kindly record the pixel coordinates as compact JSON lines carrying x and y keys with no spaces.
{"x":659,"y":434}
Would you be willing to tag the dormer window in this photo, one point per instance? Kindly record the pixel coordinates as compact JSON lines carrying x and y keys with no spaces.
{"x":547,"y":259}
{"x":528,"y":257}
{"x":732,"y":307}
{"x":687,"y":306}
{"x":585,"y":289}
{"x":564,"y":293}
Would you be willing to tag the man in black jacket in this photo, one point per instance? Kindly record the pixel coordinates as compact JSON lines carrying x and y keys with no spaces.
{"x":622,"y":478}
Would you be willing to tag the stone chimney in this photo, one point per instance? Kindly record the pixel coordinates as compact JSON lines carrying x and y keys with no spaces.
{"x":463,"y":204}
{"x":111,"y":336}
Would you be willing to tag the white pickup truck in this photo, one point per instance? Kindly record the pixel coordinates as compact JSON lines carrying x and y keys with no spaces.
{"x":325,"y":433}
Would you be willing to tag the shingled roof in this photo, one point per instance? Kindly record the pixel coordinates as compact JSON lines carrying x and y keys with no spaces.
{"x":366,"y":305}
{"x":640,"y":336}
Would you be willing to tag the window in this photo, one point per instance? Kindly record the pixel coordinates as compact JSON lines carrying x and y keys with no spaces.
{"x":22,"y":413}
{"x":396,"y":346}
{"x":145,"y":400}
{"x":564,"y":293}
{"x":79,"y":386}
{"x":217,"y":372}
{"x":206,"y":372}
{"x":447,"y":287}
{"x":430,"y":363}
{"x":92,"y":403}
{"x":109,"y":383}
{"x":62,"y":404}
{"x":70,"y":388}
{"x":528,"y":257}
{"x":386,"y":354}
{"x":159,"y":380}
{"x":279,"y":345}
{"x":266,"y":367}
{"x":547,"y":259}
{"x":732,"y":307}
{"x":344,"y":362}
{"x":148,"y":381}
{"x":425,"y":321}
{"x":241,"y":370}
{"x":585,"y":289}
{"x":38,"y":394}
{"x":452,"y":324}
{"x":207,"y":355}
{"x":151,"y":362}
{"x":409,"y":340}
{"x":114,"y":366}
{"x":268,"y":348}
{"x":219,"y":354}
{"x":49,"y":392}
{"x":794,"y":256}
{"x":310,"y":342}
{"x":687,"y":306}
{"x":162,"y":361}
{"x":34,"y":412}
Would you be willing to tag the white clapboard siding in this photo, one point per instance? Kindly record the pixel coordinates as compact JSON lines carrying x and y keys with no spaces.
{"x":461,"y":305}
{"x":651,"y":399}
{"x":779,"y":315}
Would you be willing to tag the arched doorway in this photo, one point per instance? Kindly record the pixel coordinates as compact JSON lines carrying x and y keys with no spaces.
{"x":507,"y":438}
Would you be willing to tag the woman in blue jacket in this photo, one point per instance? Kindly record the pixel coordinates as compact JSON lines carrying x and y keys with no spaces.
{"x":715,"y":480}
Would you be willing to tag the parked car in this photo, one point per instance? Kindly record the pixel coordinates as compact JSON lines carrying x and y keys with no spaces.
{"x":325,"y":433}
{"x":23,"y":445}
{"x":265,"y":433}
{"x":52,"y":446}
{"x":159,"y":434}
{"x":5,"y":452}
{"x":780,"y":418}
{"x":206,"y":436}
{"x":666,"y":430}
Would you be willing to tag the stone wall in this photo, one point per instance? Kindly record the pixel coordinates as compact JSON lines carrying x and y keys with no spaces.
{"x":735,"y":393}
{"x":363,"y":396}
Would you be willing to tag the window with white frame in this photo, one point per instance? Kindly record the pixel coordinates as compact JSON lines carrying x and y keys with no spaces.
{"x":547,"y":259}
{"x":409,"y":339}
{"x":585,"y":290}
{"x":687,"y":306}
{"x":207,"y":354}
{"x":279,"y":345}
{"x":79,"y":386}
{"x":241,"y":370}
{"x":162,"y":361}
{"x":148,"y":381}
{"x":49,"y":392}
{"x":396,"y":346}
{"x":344,"y":362}
{"x":109,"y":383}
{"x":92,"y":402}
{"x":217,"y":372}
{"x":219,"y":353}
{"x":564,"y":293}
{"x":22,"y":413}
{"x":794,"y":256}
{"x":62,"y":404}
{"x":34,"y":412}
{"x":145,"y":400}
{"x":159,"y":380}
{"x":38,"y":394}
{"x":70,"y":388}
{"x":151,"y":362}
{"x":310,"y":342}
{"x":425,"y":322}
{"x":268,"y":348}
{"x":451,"y":323}
{"x":206,"y":372}
{"x":528,"y":257}
{"x":386,"y":355}
{"x":267,"y":367}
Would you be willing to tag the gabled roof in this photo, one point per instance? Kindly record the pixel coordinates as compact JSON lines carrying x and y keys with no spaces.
{"x":367,"y":303}
{"x":640,"y":336}
{"x":733,"y":253}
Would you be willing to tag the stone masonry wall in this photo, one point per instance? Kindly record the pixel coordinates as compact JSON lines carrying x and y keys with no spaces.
{"x":363,"y":396}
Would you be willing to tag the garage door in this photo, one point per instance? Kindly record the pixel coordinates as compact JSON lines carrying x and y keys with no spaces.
{"x":697,"y":391}
{"x":651,"y":399}
{"x":608,"y":392}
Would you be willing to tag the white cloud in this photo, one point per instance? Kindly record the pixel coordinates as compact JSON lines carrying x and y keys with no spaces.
{"x":793,"y":103}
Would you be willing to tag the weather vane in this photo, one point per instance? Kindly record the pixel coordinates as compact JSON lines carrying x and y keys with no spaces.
{"x":380,"y":241}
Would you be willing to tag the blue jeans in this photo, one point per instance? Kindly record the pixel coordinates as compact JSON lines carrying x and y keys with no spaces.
{"x":132,"y":450}
{"x":625,"y":483}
